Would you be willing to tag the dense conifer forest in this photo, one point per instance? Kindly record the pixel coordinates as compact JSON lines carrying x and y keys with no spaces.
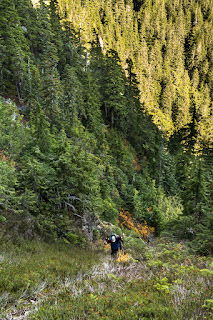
{"x":106,"y":107}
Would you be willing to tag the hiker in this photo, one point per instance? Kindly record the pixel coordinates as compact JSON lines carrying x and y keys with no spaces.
{"x":115,"y":241}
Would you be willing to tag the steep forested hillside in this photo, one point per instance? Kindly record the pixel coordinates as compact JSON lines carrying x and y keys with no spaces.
{"x":106,"y":108}
{"x":168,"y":44}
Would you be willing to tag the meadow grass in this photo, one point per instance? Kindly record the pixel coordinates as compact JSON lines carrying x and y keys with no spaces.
{"x":164,"y":282}
{"x":29,"y":269}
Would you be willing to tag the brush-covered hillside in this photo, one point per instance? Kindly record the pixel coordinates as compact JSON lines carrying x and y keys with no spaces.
{"x":161,"y":280}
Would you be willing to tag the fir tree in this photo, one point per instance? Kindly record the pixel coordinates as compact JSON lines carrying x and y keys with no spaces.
{"x":195,"y":195}
{"x":14,"y":51}
{"x":113,"y":89}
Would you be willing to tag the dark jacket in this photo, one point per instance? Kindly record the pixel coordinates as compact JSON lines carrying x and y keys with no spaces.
{"x":116,"y":244}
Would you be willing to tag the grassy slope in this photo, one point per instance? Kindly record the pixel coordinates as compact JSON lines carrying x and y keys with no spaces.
{"x":63,"y":282}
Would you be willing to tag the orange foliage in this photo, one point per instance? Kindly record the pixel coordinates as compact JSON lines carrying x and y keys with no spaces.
{"x":136,"y":164}
{"x":122,"y":257}
{"x":6,"y":158}
{"x":126,"y":220}
{"x":142,"y":229}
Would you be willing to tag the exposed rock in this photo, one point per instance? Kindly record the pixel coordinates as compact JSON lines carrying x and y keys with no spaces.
{"x":89,"y":223}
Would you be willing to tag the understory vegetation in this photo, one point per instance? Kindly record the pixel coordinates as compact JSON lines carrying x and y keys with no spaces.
{"x":161,"y":280}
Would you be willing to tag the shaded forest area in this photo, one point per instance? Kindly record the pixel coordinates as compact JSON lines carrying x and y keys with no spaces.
{"x":107,"y":106}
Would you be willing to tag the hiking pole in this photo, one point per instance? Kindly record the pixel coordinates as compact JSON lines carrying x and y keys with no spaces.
{"x":123,"y":236}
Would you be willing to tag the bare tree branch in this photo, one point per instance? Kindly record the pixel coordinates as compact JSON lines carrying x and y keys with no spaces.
{"x":73,"y":208}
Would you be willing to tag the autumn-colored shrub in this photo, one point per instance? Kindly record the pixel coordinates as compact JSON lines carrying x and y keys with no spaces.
{"x":142,"y":229}
{"x":122,"y":257}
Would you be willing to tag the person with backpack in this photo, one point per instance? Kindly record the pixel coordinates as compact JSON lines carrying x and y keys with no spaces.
{"x":115,"y":242}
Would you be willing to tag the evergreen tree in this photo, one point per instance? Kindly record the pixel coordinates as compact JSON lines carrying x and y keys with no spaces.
{"x":40,"y":128}
{"x":14,"y":51}
{"x":113,"y":89}
{"x":73,"y":103}
{"x":51,"y":90}
{"x":195,"y":196}
{"x":57,"y":34}
{"x":50,"y":94}
{"x":93,"y":121}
